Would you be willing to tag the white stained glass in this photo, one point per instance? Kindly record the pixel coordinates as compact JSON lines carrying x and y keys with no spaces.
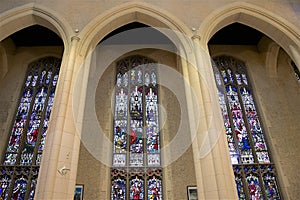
{"x":119,"y":160}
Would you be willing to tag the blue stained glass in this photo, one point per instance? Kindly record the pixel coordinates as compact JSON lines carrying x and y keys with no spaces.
{"x":29,"y":130}
{"x":28,"y":80}
{"x":118,"y":189}
{"x":152,"y":138}
{"x":238,"y":78}
{"x":120,"y":136}
{"x":248,"y":150}
{"x":19,"y":189}
{"x":271,"y":187}
{"x":239,"y":125}
{"x":154,"y":189}
{"x":137,"y":189}
{"x":230,"y":75}
{"x":224,"y":75}
{"x":32,"y":188}
{"x":4,"y":185}
{"x":240,"y":188}
{"x":234,"y":153}
{"x":35,"y":77}
{"x":255,"y":128}
{"x":49,"y":75}
{"x":19,"y":124}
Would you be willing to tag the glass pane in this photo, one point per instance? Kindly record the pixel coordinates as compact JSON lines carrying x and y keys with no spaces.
{"x":4,"y":186}
{"x":234,"y":153}
{"x":152,"y":121}
{"x":239,"y":125}
{"x":136,"y":129}
{"x":240,"y":187}
{"x":19,"y":189}
{"x":254,"y":187}
{"x":271,"y":187}
{"x":120,"y":136}
{"x":28,"y":134}
{"x":255,"y":128}
{"x":246,"y":141}
{"x":154,"y":188}
{"x":118,"y":189}
{"x":136,"y":108}
{"x":137,"y":188}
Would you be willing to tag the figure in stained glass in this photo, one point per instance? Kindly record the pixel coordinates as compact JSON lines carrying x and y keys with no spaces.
{"x":121,"y":104}
{"x":4,"y":184}
{"x":136,"y":103}
{"x":119,"y":189}
{"x":120,"y":136}
{"x":271,"y":187}
{"x":28,"y":133}
{"x":245,"y":137}
{"x":19,"y":189}
{"x":136,"y":189}
{"x":254,"y":187}
{"x":136,"y":124}
{"x":239,"y":187}
{"x":136,"y":136}
{"x":154,"y":189}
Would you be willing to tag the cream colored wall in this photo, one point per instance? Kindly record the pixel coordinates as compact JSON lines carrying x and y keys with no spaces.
{"x":11,"y":84}
{"x":192,"y":13}
{"x":277,"y":98}
{"x":278,"y":18}
{"x":177,"y":176}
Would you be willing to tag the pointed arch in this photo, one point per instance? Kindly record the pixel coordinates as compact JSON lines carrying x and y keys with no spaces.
{"x":277,"y":28}
{"x":126,"y":13}
{"x":21,"y":17}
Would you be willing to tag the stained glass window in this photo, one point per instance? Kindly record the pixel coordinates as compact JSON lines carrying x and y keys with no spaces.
{"x":136,"y":172}
{"x":20,"y":165}
{"x":255,"y":174}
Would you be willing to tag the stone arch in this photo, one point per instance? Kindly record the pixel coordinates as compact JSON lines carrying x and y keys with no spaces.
{"x":277,"y":28}
{"x":21,"y":17}
{"x":126,"y":13}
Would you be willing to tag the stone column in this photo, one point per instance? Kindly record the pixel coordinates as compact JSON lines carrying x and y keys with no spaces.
{"x":215,"y":179}
{"x":59,"y":163}
{"x":186,"y":63}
